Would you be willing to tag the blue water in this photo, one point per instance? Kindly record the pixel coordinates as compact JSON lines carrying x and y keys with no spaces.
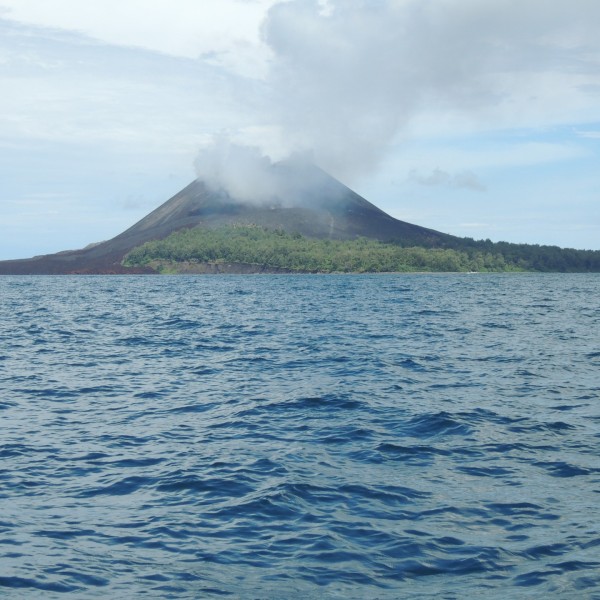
{"x":389,"y":436}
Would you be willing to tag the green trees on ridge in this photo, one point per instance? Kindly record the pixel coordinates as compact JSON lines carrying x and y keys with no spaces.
{"x":277,"y":249}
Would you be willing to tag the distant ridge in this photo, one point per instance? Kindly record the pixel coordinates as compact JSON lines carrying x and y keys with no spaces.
{"x":307,"y":200}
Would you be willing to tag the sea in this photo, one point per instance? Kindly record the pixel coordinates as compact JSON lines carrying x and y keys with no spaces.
{"x":300,"y":436}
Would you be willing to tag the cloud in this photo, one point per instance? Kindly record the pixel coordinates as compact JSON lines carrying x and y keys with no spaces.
{"x":477,"y":226}
{"x":347,"y":77}
{"x":346,"y":81}
{"x":438,"y":177}
{"x":62,"y":87}
{"x":228,"y":29}
{"x":589,"y":134}
{"x":492,"y":155}
{"x":339,"y":78}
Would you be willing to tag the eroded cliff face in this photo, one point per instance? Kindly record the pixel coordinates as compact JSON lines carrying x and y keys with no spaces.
{"x":314,"y":204}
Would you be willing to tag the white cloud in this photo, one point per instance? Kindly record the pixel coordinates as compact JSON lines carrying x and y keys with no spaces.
{"x":592,"y":135}
{"x":462,"y":179}
{"x":347,"y":76}
{"x":227,"y":29}
{"x":347,"y":81}
{"x":60,"y":87}
{"x":466,"y":157}
{"x":478,"y":226}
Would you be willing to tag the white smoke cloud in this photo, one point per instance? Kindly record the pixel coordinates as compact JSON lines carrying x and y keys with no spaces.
{"x":347,"y":76}
{"x":247,"y":175}
{"x":241,"y":171}
{"x":345,"y":81}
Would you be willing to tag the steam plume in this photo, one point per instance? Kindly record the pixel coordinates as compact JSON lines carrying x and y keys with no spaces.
{"x":346,"y":78}
{"x":241,"y":171}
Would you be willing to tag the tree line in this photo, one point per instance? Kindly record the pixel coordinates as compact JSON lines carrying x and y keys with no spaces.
{"x":279,"y":249}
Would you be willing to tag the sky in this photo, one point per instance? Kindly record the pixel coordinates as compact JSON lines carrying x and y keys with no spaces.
{"x":478,"y":119}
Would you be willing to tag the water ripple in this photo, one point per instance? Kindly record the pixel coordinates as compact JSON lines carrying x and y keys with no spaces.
{"x":300,"y":437}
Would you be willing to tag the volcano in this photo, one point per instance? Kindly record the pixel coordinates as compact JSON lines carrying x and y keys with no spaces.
{"x":300,"y":198}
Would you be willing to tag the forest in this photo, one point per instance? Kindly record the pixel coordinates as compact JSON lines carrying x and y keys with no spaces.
{"x":257,"y":245}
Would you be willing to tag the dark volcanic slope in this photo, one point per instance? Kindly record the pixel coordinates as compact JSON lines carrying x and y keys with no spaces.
{"x":303,"y":199}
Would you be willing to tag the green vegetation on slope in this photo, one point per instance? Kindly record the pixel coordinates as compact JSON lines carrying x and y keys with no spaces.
{"x":533,"y":257}
{"x":278,"y":249}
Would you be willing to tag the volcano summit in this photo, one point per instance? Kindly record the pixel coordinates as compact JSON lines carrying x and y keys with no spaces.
{"x":299,"y":198}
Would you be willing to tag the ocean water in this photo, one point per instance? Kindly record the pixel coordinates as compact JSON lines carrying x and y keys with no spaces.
{"x":279,"y":436}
